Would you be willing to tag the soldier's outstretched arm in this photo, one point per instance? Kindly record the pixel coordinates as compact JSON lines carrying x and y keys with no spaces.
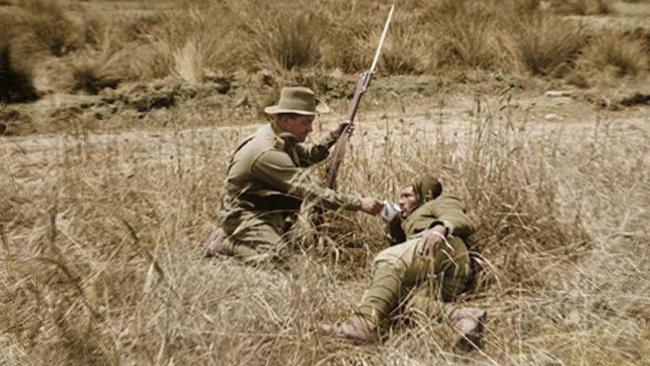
{"x":277,"y":169}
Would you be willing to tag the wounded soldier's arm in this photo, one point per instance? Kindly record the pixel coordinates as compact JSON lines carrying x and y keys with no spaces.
{"x":312,"y":154}
{"x":450,"y":210}
{"x":277,"y":169}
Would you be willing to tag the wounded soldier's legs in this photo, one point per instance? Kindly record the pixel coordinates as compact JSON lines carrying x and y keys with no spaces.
{"x":424,"y":285}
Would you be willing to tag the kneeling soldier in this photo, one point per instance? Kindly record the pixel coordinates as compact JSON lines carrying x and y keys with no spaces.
{"x":425,"y":272}
{"x":266,"y":182}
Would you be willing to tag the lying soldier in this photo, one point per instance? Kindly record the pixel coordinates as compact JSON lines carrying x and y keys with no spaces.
{"x":425,"y":272}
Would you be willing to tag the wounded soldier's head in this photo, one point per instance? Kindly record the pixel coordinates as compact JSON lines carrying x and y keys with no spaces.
{"x":414,"y":195}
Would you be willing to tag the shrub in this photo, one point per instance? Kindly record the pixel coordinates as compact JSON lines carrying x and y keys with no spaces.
{"x":549,"y":46}
{"x":16,"y":83}
{"x":583,"y":7}
{"x":469,"y":34}
{"x":103,"y":63}
{"x":91,"y":77}
{"x":50,"y":26}
{"x":404,"y":48}
{"x":347,"y":43}
{"x":284,"y":39}
{"x":617,"y":55}
{"x":184,"y":44}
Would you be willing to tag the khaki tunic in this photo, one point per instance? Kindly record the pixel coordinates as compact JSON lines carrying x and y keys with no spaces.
{"x":266,"y":184}
{"x":424,"y":284}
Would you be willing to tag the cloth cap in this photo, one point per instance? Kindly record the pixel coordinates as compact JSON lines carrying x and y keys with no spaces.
{"x":298,"y":100}
{"x":427,"y":189}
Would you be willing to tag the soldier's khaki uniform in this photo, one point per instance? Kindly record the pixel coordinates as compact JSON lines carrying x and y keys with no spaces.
{"x":423,"y":284}
{"x":266,"y":185}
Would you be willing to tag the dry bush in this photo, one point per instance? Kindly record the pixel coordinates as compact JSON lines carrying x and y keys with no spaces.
{"x":472,"y":34}
{"x":115,"y":51}
{"x":582,"y":7}
{"x":549,"y":46}
{"x":15,"y":66}
{"x":469,"y":34}
{"x":51,"y":27}
{"x":616,"y":55}
{"x":426,"y":37}
{"x":404,"y":49}
{"x":189,"y":43}
{"x":94,"y":74}
{"x":229,"y":36}
{"x":347,"y":44}
{"x":352,"y":34}
{"x":286,"y":38}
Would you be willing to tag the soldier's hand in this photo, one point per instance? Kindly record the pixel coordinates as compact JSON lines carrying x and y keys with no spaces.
{"x":371,"y":206}
{"x":432,"y":240}
{"x":338,"y":131}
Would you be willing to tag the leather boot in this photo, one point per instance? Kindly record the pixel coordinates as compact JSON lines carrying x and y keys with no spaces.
{"x":217,"y":244}
{"x":469,"y":322}
{"x":357,"y":329}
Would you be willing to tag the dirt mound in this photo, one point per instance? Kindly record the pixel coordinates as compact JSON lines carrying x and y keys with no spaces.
{"x":163,"y":94}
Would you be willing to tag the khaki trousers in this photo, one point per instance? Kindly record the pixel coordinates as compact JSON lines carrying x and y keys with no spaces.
{"x":254,"y":237}
{"x":401,"y":278}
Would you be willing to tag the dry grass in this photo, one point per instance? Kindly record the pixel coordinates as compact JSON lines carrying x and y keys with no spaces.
{"x":616,"y":56}
{"x":102,"y":67}
{"x":50,"y":26}
{"x":15,"y":71}
{"x":100,"y":236}
{"x":583,"y":7}
{"x":440,"y":38}
{"x":549,"y":46}
{"x":101,"y":241}
{"x":16,"y":67}
{"x":468,"y":34}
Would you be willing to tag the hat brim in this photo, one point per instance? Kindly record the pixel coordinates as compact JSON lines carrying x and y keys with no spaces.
{"x":321,"y":108}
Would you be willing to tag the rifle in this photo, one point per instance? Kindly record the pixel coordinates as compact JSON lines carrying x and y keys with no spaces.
{"x":361,"y":88}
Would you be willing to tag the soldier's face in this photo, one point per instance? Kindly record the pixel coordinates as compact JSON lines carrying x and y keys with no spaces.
{"x":299,"y":126}
{"x":407,"y":200}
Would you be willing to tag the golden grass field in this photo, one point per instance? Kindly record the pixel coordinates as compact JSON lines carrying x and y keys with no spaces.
{"x":112,"y":180}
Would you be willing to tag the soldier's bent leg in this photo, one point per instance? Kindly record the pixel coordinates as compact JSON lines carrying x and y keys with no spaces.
{"x":434,"y":297}
{"x":256,"y":243}
{"x":392,"y":278}
{"x":261,"y":243}
{"x":389,"y":277}
{"x":423,"y":305}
